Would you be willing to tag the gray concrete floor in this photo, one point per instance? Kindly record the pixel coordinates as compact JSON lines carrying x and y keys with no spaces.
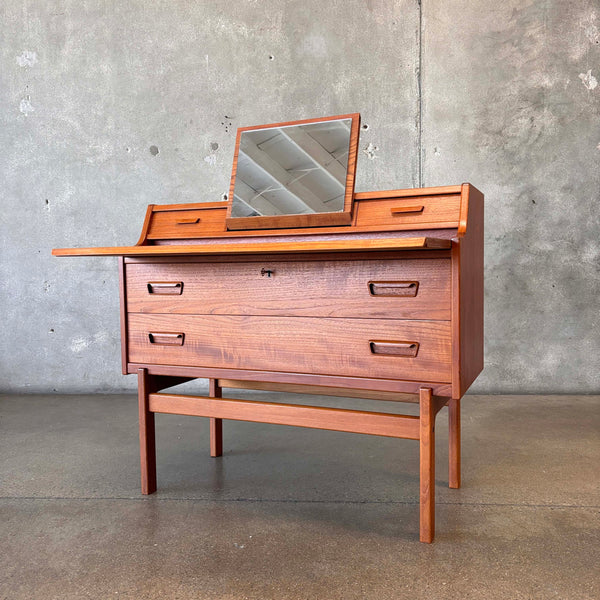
{"x":297,"y":513}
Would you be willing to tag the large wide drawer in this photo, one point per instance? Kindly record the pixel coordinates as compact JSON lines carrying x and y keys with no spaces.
{"x":393,"y":289}
{"x":391,"y":349}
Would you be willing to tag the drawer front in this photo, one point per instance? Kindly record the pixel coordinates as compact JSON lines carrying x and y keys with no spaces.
{"x":437,"y":211}
{"x":182,"y":224}
{"x":392,"y":289}
{"x":390,"y":349}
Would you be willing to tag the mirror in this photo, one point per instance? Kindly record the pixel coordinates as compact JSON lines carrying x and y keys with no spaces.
{"x":296,"y":174}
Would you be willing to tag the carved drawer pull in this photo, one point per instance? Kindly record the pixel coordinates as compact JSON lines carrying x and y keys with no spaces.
{"x":166,"y":339}
{"x":406,"y":209}
{"x":174,"y":288}
{"x":401,"y":289}
{"x":191,"y":221}
{"x":407,"y":349}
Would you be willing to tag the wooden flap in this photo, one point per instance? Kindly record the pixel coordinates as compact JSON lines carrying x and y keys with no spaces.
{"x":226,"y":247}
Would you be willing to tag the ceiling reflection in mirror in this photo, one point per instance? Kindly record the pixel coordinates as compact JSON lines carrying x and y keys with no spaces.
{"x":292,"y":170}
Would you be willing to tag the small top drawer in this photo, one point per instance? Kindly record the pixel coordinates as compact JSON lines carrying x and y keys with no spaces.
{"x":182,"y":224}
{"x":433,"y":211}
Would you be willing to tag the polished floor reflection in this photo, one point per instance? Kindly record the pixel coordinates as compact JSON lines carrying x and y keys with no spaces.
{"x":296,"y":513}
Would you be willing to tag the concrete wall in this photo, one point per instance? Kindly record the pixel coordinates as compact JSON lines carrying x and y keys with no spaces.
{"x":108,"y":106}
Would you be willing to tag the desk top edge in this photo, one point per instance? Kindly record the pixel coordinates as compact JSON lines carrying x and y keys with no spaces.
{"x":375,"y":244}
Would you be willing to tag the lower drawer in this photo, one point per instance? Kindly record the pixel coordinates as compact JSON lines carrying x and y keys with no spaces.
{"x":380,"y":348}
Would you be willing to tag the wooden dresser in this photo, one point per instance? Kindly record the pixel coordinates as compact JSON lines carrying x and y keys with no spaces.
{"x":389,"y":307}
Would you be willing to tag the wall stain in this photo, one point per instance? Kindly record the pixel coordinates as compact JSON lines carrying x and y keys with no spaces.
{"x":227,"y":123}
{"x":211,"y":158}
{"x":78,"y":344}
{"x":25,"y":105}
{"x":588,"y":80}
{"x":28,"y":58}
{"x":154,"y":150}
{"x":370,"y":150}
{"x":591,"y":30}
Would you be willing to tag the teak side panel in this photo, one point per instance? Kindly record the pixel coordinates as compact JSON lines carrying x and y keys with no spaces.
{"x":467,"y":292}
{"x":471,"y":291}
{"x":294,"y":344}
{"x":149,"y":212}
{"x":393,"y":289}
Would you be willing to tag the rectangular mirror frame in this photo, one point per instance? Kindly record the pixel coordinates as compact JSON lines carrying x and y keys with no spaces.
{"x":325,"y":219}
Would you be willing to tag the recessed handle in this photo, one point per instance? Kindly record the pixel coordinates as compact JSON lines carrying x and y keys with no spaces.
{"x":173,"y":288}
{"x":401,"y":210}
{"x":406,"y":349}
{"x":191,"y":221}
{"x":399,"y":289}
{"x":166,"y":339}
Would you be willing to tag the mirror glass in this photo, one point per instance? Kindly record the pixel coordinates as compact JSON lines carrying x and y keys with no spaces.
{"x":301,"y":168}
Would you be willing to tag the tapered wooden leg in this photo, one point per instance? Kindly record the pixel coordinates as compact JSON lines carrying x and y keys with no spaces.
{"x":454,"y":443}
{"x":147,"y":435}
{"x":427,"y":465}
{"x":216,"y":425}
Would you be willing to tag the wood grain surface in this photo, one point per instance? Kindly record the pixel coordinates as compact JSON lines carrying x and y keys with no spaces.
{"x":316,"y":417}
{"x":181,"y":224}
{"x":427,"y":466}
{"x":222,"y":247}
{"x":423,"y":211}
{"x":467,"y":292}
{"x":308,"y":288}
{"x":296,"y":344}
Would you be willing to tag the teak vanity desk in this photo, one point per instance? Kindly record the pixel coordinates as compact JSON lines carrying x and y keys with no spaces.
{"x":382,"y":300}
